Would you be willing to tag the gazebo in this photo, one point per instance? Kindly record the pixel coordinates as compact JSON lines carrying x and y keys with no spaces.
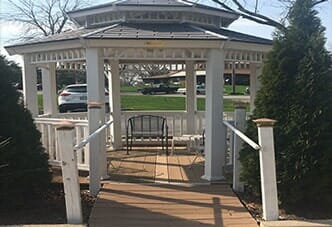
{"x":170,"y":32}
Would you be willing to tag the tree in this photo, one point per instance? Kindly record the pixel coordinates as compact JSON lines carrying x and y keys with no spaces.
{"x":296,"y":91}
{"x":249,"y":10}
{"x":15,"y":72}
{"x":24,"y":168}
{"x":42,"y":17}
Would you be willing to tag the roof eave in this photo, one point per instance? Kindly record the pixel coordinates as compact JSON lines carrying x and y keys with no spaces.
{"x":43,"y":46}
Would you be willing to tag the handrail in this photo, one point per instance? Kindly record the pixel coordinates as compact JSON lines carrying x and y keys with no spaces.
{"x":55,"y":120}
{"x":91,"y":136}
{"x":243,"y":136}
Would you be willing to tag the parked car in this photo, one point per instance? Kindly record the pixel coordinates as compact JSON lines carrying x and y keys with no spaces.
{"x":200,"y":90}
{"x":73,"y":98}
{"x":161,"y":88}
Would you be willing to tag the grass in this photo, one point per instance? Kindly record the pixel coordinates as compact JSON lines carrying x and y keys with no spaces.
{"x":128,"y":89}
{"x":40,"y":102}
{"x":149,"y":102}
{"x":239,"y":89}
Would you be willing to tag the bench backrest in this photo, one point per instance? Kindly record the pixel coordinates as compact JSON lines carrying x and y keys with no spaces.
{"x":147,"y":125}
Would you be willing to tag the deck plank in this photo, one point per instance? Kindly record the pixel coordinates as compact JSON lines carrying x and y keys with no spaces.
{"x":174,"y":170}
{"x":151,"y":189}
{"x":161,"y":169}
{"x":168,"y":205}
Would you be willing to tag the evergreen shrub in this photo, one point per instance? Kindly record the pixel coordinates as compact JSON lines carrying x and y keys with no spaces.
{"x":296,"y":90}
{"x":25,"y":171}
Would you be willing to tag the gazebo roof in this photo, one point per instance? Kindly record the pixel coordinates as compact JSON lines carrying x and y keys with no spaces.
{"x":161,"y":30}
{"x":154,"y":3}
{"x":151,"y":31}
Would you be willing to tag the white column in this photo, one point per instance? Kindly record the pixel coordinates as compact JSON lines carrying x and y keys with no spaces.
{"x":255,"y":72}
{"x":267,"y":169}
{"x":30,"y":86}
{"x":102,"y":138}
{"x":94,"y":84}
{"x":115,"y":104}
{"x":215,"y":129}
{"x":191,"y":106}
{"x":65,"y":134}
{"x":240,"y":123}
{"x":49,"y":89}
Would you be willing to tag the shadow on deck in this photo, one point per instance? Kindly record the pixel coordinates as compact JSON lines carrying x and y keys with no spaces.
{"x":151,"y":189}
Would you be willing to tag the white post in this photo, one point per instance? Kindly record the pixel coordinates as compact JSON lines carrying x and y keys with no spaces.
{"x":191,"y":106}
{"x":94,"y":84}
{"x":102,"y":136}
{"x":103,"y":168}
{"x":65,"y":138}
{"x":30,"y":86}
{"x":267,"y":169}
{"x":49,"y":89}
{"x":239,"y":123}
{"x":215,"y":130}
{"x":115,"y":104}
{"x":255,"y":72}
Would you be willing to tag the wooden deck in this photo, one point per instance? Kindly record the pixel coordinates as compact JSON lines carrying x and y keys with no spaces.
{"x":146,"y":165}
{"x":151,"y":189}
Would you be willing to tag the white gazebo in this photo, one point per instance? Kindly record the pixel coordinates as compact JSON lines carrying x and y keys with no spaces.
{"x":170,"y":32}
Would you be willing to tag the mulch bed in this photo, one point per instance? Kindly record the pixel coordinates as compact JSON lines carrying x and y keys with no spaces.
{"x":301,"y":212}
{"x":49,"y":207}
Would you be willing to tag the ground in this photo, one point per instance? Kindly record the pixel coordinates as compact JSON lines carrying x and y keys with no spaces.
{"x":49,"y":208}
{"x":301,"y":212}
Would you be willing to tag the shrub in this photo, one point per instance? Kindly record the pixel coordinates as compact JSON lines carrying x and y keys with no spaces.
{"x":296,"y":91}
{"x":25,"y":170}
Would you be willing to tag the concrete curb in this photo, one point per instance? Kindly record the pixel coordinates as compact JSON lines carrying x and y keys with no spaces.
{"x":297,"y":223}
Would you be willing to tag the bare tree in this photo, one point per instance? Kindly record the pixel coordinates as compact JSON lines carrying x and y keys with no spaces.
{"x":130,"y":74}
{"x":248,"y":9}
{"x":42,"y":17}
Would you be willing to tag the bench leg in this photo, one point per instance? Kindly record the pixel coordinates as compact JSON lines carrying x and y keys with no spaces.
{"x":172,"y":151}
{"x":127,"y":145}
{"x":167,"y":145}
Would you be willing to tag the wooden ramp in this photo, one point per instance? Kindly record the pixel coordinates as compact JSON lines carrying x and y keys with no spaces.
{"x":151,"y":189}
{"x":123,"y":204}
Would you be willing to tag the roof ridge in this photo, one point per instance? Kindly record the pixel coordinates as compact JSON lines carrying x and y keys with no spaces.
{"x":99,"y":30}
{"x":207,"y":31}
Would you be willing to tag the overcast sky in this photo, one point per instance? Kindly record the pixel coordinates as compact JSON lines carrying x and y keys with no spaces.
{"x":9,"y":31}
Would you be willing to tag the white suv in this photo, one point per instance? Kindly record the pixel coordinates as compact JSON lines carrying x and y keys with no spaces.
{"x":200,"y":90}
{"x":74,"y":98}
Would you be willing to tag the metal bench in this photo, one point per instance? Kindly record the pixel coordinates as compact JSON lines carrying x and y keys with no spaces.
{"x":147,"y":126}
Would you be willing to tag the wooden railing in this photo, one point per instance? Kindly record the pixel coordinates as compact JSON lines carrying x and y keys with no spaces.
{"x":265,"y":147}
{"x":176,"y":120}
{"x":47,"y":127}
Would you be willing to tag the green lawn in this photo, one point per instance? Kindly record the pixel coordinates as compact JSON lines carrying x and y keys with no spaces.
{"x":150,"y":102}
{"x":239,"y":89}
{"x":40,"y":102}
{"x":128,"y":89}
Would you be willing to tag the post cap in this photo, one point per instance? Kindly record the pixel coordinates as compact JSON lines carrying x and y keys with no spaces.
{"x":64,"y":125}
{"x":264,"y":122}
{"x":94,"y":105}
{"x":240,"y":105}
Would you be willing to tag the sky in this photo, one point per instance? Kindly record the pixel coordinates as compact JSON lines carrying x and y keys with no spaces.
{"x":10,"y":31}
